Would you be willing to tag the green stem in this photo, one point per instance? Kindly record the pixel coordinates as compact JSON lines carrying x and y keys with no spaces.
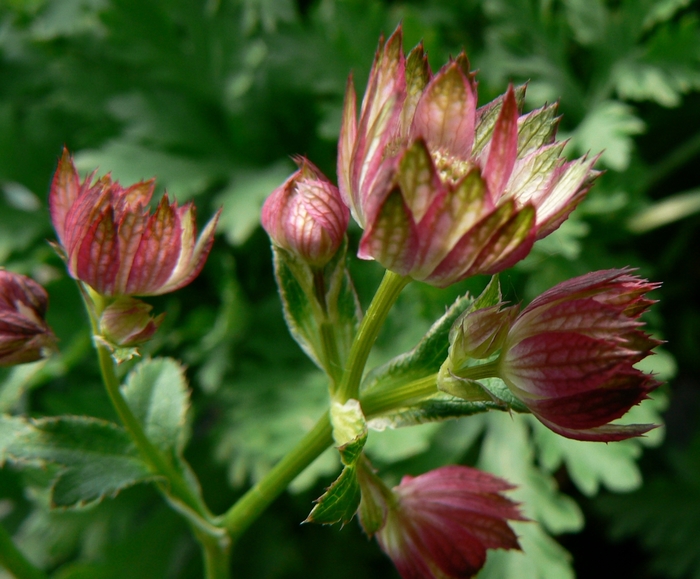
{"x":380,"y":401}
{"x":390,"y":288}
{"x":217,"y":556}
{"x":216,"y":548}
{"x":240,"y":516}
{"x":14,"y":561}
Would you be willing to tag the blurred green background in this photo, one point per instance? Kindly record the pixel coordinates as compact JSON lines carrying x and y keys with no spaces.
{"x":213,"y":98}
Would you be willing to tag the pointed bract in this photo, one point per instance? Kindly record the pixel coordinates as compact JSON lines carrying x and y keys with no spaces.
{"x":439,"y":525}
{"x":405,"y":109}
{"x":570,"y":355}
{"x":111,"y":242}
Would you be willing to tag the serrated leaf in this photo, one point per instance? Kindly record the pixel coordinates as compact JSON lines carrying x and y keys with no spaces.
{"x":243,"y":199}
{"x":98,"y":456}
{"x":507,"y":452}
{"x":129,"y":163}
{"x":587,"y":19}
{"x":609,"y":127}
{"x":541,"y":557}
{"x":590,"y":464}
{"x":156,"y":391}
{"x":340,"y":501}
{"x":425,"y":359}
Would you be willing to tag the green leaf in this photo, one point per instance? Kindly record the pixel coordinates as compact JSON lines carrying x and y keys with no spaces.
{"x":541,"y":557}
{"x":609,"y":127}
{"x":667,"y":68}
{"x":662,"y":10}
{"x":663,"y":515}
{"x":340,"y":501}
{"x":156,"y":391}
{"x":507,"y":452}
{"x":98,"y":456}
{"x":588,"y":20}
{"x":129,"y":163}
{"x":242,"y":200}
{"x":425,"y":359}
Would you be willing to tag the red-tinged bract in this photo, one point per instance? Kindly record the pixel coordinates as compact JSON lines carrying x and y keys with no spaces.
{"x":443,"y":189}
{"x":24,"y":335}
{"x":113,"y":243}
{"x":439,"y":525}
{"x":306,"y":215}
{"x":570,"y":355}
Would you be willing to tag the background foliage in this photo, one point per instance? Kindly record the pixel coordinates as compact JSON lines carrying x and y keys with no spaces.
{"x":212,"y":98}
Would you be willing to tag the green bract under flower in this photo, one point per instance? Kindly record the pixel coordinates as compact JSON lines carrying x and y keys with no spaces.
{"x":443,"y":189}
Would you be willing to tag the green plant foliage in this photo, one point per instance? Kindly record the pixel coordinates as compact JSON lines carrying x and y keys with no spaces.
{"x":213,"y":98}
{"x":156,"y":391}
{"x":98,"y":457}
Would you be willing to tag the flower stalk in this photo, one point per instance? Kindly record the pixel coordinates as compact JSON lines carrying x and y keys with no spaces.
{"x":389,"y":290}
{"x":216,"y":549}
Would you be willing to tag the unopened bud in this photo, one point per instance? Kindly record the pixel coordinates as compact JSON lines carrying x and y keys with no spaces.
{"x":306,"y":216}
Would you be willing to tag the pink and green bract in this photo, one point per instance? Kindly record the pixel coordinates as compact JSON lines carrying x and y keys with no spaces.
{"x":443,"y":189}
{"x":440,"y":524}
{"x":114,"y":244}
{"x":24,"y":335}
{"x":570,"y":355}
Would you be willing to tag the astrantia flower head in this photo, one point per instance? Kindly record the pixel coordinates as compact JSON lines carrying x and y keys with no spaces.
{"x":443,"y":189}
{"x":306,"y":215}
{"x":24,"y":335}
{"x":439,"y":525}
{"x":570,"y":355}
{"x":114,"y":244}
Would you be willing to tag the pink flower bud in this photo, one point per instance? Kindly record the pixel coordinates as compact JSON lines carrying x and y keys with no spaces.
{"x":24,"y":335}
{"x":439,"y":525}
{"x":306,"y":215}
{"x":570,"y":355}
{"x":113,"y":243}
{"x":127,"y":322}
{"x":445,"y":190}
